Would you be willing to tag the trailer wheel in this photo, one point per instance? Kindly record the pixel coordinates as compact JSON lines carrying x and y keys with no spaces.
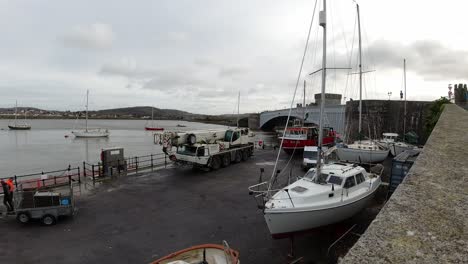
{"x":48,"y":220}
{"x":226,"y":160}
{"x":238,"y":157}
{"x":23,"y":217}
{"x":216,"y":163}
{"x":245,"y":155}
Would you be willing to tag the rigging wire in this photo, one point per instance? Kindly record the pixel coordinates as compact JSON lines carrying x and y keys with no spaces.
{"x":294,"y":96}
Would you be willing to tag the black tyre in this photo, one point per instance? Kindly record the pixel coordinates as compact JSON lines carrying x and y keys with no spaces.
{"x":48,"y":220}
{"x":245,"y":154}
{"x":216,"y":163}
{"x":23,"y":217}
{"x":238,"y":157}
{"x":226,"y":160}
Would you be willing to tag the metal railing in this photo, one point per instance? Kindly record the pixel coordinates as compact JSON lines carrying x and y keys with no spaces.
{"x":45,"y":179}
{"x":127,"y":166}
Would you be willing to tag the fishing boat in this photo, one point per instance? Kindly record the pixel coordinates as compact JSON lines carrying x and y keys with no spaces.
{"x":90,"y":132}
{"x":325,"y":195}
{"x":202,"y":254}
{"x":151,"y":127}
{"x":360,"y":151}
{"x":18,"y":125}
{"x":297,"y":137}
{"x":301,"y":134}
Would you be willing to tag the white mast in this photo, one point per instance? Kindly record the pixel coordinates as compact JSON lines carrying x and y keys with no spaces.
{"x":16,"y":110}
{"x":360,"y":73}
{"x":404,"y":116}
{"x":304,"y":105}
{"x":323,"y":23}
{"x":238,"y":105}
{"x":86,"y":124}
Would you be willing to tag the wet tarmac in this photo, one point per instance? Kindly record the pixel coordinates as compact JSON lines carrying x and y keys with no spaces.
{"x":137,"y":219}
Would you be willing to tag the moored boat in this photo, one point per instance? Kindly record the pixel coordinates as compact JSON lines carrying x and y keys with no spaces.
{"x":202,"y":254}
{"x":18,"y":125}
{"x":90,"y":132}
{"x":151,"y":126}
{"x":296,"y":138}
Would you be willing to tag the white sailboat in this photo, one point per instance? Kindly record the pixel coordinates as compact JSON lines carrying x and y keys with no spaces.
{"x":325,"y":195}
{"x":90,"y":132}
{"x":18,"y":125}
{"x":362,"y":151}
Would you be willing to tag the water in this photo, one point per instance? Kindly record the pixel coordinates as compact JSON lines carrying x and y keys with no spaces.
{"x":45,"y":146}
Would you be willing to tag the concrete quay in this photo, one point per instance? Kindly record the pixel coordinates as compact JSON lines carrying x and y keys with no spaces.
{"x":136,"y":219}
{"x":425,"y":220}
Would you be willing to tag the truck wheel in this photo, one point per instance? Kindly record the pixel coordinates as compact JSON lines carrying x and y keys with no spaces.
{"x":48,"y":220}
{"x":226,"y":160}
{"x":216,"y":163}
{"x":23,"y":218}
{"x":238,"y":157}
{"x":245,"y":155}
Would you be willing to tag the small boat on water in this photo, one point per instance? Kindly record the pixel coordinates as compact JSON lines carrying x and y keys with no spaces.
{"x":202,"y":254}
{"x":152,"y":127}
{"x":18,"y":125}
{"x":179,"y":125}
{"x":90,"y":132}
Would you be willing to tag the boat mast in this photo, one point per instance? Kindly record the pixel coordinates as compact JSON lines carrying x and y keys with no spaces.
{"x":16,"y":110}
{"x":360,"y":73}
{"x":404,"y":115}
{"x":86,"y":122}
{"x":304,"y":105}
{"x":238,"y":105}
{"x":323,"y":23}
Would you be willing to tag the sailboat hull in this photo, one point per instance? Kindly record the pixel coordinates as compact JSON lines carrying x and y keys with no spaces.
{"x":154,"y":128}
{"x":19,"y":127}
{"x":90,"y":134}
{"x":287,"y":223}
{"x":361,"y":155}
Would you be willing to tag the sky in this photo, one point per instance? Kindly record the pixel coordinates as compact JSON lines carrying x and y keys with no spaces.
{"x":197,"y":56}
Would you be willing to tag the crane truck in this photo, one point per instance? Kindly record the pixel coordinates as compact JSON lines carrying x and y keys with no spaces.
{"x":210,"y":149}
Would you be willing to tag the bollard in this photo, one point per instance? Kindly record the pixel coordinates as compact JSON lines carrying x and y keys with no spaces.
{"x":16,"y":182}
{"x":84,"y":169}
{"x":151,"y":162}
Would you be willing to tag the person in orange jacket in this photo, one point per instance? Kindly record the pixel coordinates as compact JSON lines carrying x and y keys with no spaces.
{"x":11,"y":188}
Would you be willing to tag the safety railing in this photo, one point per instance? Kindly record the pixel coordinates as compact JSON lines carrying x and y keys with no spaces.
{"x":127,"y":166}
{"x":45,"y":179}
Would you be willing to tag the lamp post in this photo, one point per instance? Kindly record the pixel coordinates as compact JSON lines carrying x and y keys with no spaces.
{"x":389,"y":95}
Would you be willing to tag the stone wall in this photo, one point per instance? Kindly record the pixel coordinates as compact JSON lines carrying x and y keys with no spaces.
{"x":379,"y":116}
{"x":425,"y":220}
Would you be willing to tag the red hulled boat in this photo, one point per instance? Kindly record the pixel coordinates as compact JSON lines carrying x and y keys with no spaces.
{"x":296,"y":138}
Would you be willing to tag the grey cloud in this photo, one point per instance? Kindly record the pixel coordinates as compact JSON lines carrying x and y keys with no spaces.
{"x":127,"y":68}
{"x":428,"y":58}
{"x":232,"y":71}
{"x":96,"y":36}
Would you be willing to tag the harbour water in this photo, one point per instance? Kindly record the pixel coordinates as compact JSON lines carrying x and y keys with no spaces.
{"x":45,"y":146}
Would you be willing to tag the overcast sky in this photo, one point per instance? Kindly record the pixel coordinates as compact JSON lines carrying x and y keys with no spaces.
{"x":197,"y":55}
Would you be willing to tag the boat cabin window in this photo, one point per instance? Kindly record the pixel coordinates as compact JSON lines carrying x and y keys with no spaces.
{"x":350,"y":182}
{"x":311,"y":175}
{"x":335,"y":180}
{"x":310,"y":154}
{"x":360,"y":178}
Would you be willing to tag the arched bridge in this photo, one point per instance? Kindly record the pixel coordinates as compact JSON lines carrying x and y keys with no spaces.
{"x":334,"y":117}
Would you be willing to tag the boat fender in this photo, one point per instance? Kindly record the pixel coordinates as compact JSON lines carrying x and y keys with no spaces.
{"x":173,"y":158}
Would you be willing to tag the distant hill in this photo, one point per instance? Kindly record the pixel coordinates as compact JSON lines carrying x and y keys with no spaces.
{"x":145,"y":111}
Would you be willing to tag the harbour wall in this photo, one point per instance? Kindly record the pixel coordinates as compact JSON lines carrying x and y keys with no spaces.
{"x":425,"y":220}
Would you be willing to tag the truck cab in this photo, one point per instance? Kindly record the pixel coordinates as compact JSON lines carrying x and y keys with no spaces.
{"x":310,"y":157}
